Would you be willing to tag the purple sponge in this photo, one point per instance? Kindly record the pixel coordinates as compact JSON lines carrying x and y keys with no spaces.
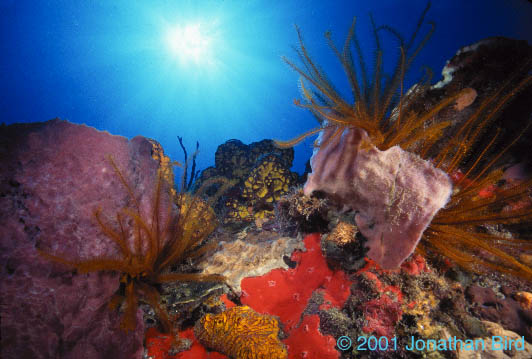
{"x":395,"y":193}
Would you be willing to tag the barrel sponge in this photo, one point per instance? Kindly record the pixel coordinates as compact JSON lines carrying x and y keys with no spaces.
{"x":395,"y":193}
{"x":241,"y":333}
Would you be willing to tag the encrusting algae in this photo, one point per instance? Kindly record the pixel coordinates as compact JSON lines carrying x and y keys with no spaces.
{"x":386,"y":115}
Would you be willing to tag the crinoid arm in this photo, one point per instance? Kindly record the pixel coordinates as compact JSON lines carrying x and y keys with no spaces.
{"x":459,"y":230}
{"x":298,"y":139}
{"x":391,"y":119}
{"x":185,"y":277}
{"x":478,"y":252}
{"x":88,"y":265}
{"x":373,"y":100}
{"x":153,"y":298}
{"x":129,"y":319}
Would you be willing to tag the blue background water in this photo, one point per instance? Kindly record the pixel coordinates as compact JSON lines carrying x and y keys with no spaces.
{"x":106,"y":63}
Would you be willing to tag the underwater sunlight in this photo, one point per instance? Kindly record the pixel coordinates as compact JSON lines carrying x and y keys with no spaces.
{"x":191,"y":43}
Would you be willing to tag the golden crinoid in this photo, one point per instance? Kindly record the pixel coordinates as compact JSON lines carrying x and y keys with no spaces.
{"x":466,"y":228}
{"x":149,"y":245}
{"x":374,"y":99}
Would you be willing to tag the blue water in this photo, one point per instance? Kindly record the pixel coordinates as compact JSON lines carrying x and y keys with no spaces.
{"x":107,"y":64}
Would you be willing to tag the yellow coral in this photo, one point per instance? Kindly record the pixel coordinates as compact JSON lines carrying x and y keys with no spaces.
{"x":241,"y":333}
{"x":237,"y":211}
{"x":263,"y":187}
{"x":423,"y":304}
{"x":263,"y":214}
{"x":200,"y":218}
{"x":344,"y":233}
{"x":165,"y":164}
{"x":525,"y":299}
{"x":267,"y":182}
{"x":233,"y":160}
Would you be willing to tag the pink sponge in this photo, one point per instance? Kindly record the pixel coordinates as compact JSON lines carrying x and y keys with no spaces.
{"x":395,"y":193}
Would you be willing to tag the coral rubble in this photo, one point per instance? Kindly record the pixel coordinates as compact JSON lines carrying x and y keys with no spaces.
{"x":248,"y":258}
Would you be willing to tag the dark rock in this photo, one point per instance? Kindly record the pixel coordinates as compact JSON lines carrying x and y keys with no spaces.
{"x":474,"y":327}
{"x":458,"y":275}
{"x":506,"y":312}
{"x":349,"y":257}
{"x":484,"y":67}
{"x":296,"y":212}
{"x":235,"y":160}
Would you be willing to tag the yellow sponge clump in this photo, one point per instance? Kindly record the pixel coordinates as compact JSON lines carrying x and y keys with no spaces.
{"x":241,"y":333}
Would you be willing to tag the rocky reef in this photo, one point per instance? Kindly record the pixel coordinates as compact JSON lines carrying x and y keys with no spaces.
{"x":310,"y":272}
{"x":339,"y":291}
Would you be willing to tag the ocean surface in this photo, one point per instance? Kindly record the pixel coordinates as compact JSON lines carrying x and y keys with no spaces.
{"x":210,"y":71}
